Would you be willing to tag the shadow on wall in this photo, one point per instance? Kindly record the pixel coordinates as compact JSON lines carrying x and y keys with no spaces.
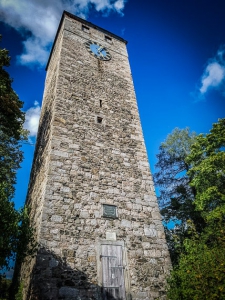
{"x":53,"y":279}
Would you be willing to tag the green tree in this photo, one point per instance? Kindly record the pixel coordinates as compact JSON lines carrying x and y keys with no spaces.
{"x":200,"y":273}
{"x":4,"y":288}
{"x":11,"y":128}
{"x":207,"y":173}
{"x":15,"y":231}
{"x":175,"y":192}
{"x":176,"y":195}
{"x":11,"y":116}
{"x":26,"y":245}
{"x":11,"y":133}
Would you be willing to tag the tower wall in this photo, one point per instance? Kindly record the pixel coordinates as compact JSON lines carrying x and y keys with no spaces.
{"x":82,"y":165}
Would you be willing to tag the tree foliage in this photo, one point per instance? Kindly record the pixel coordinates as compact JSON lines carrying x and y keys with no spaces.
{"x":11,"y":130}
{"x":207,"y":173}
{"x":4,"y":288}
{"x":200,"y":272}
{"x":11,"y":120}
{"x":11,"y":116}
{"x":176,"y":195}
{"x":176,"y":198}
{"x":16,"y":235}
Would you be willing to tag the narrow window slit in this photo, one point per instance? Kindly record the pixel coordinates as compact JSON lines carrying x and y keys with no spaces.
{"x":100,"y":103}
{"x":99,"y":120}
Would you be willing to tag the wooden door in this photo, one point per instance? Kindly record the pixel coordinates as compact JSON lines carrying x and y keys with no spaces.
{"x":112,"y":272}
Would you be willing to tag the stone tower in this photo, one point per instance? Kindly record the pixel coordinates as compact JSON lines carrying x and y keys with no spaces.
{"x":91,"y":192}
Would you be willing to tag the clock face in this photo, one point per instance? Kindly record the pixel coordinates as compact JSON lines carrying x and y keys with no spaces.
{"x":98,"y":50}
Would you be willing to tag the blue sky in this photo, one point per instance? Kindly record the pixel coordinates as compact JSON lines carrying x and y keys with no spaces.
{"x":176,"y":50}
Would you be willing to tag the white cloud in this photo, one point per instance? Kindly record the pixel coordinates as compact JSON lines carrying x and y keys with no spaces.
{"x":214,"y":73}
{"x":212,"y":77}
{"x":39,"y":19}
{"x":32,"y":119}
{"x":34,"y":51}
{"x":119,"y":5}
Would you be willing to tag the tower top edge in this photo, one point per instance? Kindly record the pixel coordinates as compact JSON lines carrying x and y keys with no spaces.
{"x":83,"y":21}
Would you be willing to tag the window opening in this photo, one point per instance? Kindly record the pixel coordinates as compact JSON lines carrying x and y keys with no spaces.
{"x":108,"y":39}
{"x":99,"y":120}
{"x":85,"y":28}
{"x":100,"y":103}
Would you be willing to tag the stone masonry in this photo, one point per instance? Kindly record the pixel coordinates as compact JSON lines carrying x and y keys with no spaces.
{"x":80,"y":165}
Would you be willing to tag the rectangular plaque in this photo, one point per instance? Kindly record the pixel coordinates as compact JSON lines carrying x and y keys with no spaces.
{"x":110,"y":236}
{"x":109,"y":211}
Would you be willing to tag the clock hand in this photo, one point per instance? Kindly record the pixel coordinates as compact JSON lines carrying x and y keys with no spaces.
{"x":100,"y":49}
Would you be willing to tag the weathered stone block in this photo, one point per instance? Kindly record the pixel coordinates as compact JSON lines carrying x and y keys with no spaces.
{"x":56,"y":218}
